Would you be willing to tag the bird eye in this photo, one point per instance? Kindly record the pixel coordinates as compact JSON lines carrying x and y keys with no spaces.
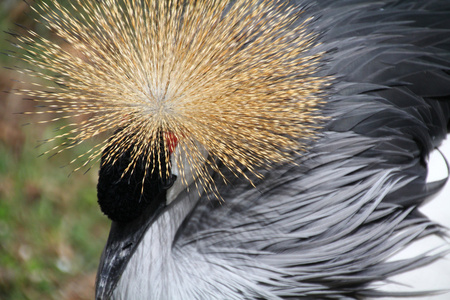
{"x":167,"y":183}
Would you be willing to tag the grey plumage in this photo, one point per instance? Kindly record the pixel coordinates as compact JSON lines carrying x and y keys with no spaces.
{"x":324,"y":227}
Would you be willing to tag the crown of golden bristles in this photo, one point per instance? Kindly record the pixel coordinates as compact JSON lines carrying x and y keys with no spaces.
{"x":236,"y":77}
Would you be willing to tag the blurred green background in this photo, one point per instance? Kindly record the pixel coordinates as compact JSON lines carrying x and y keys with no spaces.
{"x":51,"y":230}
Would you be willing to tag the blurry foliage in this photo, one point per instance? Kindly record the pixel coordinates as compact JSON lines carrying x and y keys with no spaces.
{"x":51,"y":230}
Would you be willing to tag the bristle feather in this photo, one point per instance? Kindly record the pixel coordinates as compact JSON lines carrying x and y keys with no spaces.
{"x":236,"y":77}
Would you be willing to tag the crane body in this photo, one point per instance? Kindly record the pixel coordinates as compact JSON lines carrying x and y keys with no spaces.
{"x":323,"y":227}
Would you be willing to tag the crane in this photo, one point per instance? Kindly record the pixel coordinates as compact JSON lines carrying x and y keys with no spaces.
{"x":322,"y":228}
{"x":261,"y":149}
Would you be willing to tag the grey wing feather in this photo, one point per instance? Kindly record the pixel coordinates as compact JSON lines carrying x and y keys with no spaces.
{"x":324,"y":228}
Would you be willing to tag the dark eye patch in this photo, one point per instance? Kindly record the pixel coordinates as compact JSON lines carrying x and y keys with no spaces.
{"x":121,"y":196}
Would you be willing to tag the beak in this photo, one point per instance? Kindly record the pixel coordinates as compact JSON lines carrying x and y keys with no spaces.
{"x":123,"y":240}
